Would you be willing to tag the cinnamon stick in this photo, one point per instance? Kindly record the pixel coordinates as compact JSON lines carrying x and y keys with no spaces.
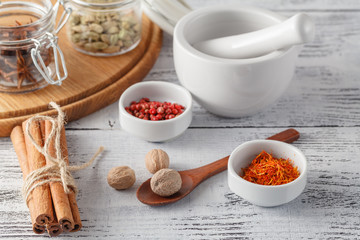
{"x":42,"y":129}
{"x":60,"y":198}
{"x":17,"y":138}
{"x":76,"y":213}
{"x":38,"y":229}
{"x":54,"y":229}
{"x":72,"y":197}
{"x":41,"y":195}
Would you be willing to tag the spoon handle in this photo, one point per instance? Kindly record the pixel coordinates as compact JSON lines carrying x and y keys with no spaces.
{"x":202,"y":173}
{"x":289,"y":135}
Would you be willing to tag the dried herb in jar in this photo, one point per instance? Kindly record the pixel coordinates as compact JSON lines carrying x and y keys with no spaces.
{"x":268,"y":170}
{"x":104,"y":32}
{"x":17,"y":67}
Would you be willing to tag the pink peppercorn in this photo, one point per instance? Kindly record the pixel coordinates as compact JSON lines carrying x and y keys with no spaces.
{"x":154,"y":110}
{"x":160,"y":110}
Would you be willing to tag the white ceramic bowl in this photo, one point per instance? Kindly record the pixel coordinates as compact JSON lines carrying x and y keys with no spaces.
{"x":261,"y":195}
{"x":230,"y":87}
{"x":156,"y":131}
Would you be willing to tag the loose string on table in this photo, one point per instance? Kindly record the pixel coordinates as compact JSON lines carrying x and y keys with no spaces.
{"x":58,"y":170}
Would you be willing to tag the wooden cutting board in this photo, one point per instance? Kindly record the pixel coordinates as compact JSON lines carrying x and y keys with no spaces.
{"x":93,"y":82}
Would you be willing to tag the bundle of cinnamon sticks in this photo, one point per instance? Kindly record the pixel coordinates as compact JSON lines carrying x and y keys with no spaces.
{"x":51,"y":209}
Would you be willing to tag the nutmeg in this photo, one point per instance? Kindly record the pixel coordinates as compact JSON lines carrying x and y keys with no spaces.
{"x":156,"y":159}
{"x":166,"y":182}
{"x":121,"y":177}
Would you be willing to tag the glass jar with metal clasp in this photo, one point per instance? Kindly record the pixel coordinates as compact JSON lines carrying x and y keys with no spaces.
{"x":30,"y":57}
{"x":104,"y":27}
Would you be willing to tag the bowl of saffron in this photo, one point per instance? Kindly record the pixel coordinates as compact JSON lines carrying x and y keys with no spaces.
{"x":267,"y":173}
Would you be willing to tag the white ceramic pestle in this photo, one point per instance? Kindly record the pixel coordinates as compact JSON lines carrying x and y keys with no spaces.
{"x":296,"y":30}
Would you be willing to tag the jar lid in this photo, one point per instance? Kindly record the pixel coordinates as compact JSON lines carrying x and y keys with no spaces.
{"x":103,"y":4}
{"x":20,"y":21}
{"x":166,"y":13}
{"x":108,"y":1}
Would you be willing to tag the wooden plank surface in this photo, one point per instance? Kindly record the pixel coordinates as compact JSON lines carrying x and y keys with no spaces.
{"x":322,"y":102}
{"x":328,"y":208}
{"x":294,"y":5}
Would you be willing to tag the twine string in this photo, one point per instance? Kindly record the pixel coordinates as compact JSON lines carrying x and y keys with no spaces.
{"x":58,"y":170}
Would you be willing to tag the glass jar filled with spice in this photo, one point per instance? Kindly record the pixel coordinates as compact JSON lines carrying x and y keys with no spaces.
{"x":30,"y":57}
{"x":105,"y":27}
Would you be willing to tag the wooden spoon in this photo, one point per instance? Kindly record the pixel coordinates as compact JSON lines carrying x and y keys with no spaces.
{"x":193,"y":177}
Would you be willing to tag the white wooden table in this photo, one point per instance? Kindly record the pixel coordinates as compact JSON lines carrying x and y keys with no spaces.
{"x":322,"y":103}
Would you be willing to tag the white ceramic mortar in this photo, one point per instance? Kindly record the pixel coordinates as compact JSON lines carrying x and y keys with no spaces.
{"x":230,"y":87}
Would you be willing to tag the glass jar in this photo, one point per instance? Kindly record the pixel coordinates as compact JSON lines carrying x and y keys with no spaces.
{"x":104,"y":27}
{"x":29,"y":54}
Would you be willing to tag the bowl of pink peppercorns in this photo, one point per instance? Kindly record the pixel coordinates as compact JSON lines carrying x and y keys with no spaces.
{"x":155,"y":111}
